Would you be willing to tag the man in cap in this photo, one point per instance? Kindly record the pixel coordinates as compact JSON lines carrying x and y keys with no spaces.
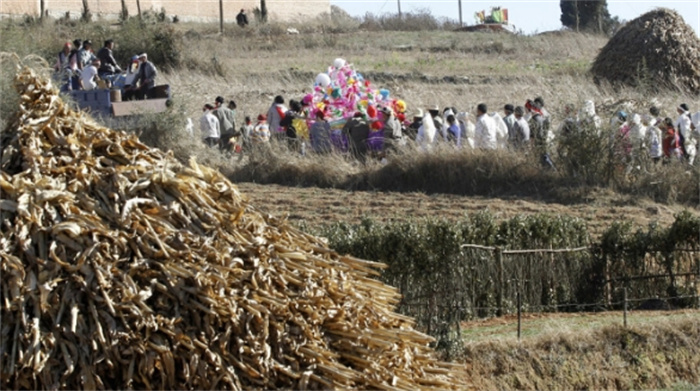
{"x":437,"y":120}
{"x":146,"y":77}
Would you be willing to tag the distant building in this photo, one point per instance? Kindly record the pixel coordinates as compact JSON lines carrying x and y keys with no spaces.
{"x":196,"y":11}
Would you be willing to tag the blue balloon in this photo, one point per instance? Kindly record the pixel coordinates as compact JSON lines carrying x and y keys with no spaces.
{"x":385,"y":93}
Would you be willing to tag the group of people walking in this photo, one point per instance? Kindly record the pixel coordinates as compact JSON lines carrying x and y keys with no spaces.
{"x":525,"y":128}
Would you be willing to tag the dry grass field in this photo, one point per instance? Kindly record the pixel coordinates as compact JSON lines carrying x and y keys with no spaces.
{"x":317,"y":206}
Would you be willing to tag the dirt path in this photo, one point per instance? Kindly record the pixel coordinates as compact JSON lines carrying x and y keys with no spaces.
{"x":316,"y":206}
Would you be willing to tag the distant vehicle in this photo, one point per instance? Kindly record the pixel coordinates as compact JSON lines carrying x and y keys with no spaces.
{"x":107,"y":103}
{"x":496,"y":21}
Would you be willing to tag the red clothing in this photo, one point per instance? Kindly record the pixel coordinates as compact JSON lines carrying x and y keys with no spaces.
{"x":671,"y":142}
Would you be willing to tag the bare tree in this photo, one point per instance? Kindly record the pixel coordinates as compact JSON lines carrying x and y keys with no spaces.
{"x":221,"y":16}
{"x":125,"y":11}
{"x":87,"y":16}
{"x":263,"y":11}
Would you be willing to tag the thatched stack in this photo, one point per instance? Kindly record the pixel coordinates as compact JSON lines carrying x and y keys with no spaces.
{"x":658,"y":48}
{"x":123,"y":269}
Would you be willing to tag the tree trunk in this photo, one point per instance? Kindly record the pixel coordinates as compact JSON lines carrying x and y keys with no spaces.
{"x":125,"y":11}
{"x":221,"y":16}
{"x":578,"y":15}
{"x":42,"y":6}
{"x":86,"y":11}
{"x":138,"y":8}
{"x":263,"y":11}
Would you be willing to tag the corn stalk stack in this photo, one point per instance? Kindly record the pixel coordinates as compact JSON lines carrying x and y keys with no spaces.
{"x":657,"y":49}
{"x":122,"y":268}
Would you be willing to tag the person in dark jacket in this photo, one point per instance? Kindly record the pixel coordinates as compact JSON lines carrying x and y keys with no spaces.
{"x":320,"y":134}
{"x":108,"y":65}
{"x":539,"y":126}
{"x":357,"y":132}
{"x":287,"y":123}
{"x":242,"y":18}
{"x":146,"y":78}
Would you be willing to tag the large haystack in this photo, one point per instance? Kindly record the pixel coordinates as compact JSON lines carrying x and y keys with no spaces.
{"x":658,"y":49}
{"x":123,"y":269}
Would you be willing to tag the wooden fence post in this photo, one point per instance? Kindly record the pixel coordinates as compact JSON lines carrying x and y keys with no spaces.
{"x":697,"y":286}
{"x":499,"y":290}
{"x":625,"y":307}
{"x":608,"y":283}
{"x":519,"y":315}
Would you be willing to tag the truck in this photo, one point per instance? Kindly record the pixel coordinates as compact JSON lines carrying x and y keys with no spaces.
{"x":496,"y":21}
{"x":107,"y":102}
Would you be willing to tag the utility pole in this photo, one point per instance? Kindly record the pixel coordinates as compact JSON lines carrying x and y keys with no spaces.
{"x":460,"y":13}
{"x":221,"y":16}
{"x":399,"y":2}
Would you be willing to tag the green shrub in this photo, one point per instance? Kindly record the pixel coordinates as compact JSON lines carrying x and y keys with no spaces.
{"x":444,"y":283}
{"x":162,"y":43}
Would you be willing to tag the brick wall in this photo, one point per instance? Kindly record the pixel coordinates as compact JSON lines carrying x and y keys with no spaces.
{"x":186,"y":10}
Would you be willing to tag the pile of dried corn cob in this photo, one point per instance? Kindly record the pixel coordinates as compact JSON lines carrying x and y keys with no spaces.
{"x":122,"y":268}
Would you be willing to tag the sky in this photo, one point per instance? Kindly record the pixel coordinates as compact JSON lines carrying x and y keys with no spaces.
{"x":529,"y":16}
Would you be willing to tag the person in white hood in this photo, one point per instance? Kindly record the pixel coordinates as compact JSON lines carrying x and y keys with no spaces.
{"x":485,"y":132}
{"x":468,"y":129}
{"x":637,"y":133}
{"x":653,"y":138}
{"x":683,"y":125}
{"x":588,"y":117}
{"x":426,"y":133}
{"x":693,"y":137}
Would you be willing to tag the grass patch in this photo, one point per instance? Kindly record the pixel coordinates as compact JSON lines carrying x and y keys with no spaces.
{"x":660,"y":354}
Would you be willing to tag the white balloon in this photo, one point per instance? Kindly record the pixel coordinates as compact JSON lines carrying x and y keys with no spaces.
{"x":323,"y":80}
{"x":339,"y":63}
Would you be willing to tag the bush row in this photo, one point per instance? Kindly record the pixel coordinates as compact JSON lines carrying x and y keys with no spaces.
{"x":444,"y":283}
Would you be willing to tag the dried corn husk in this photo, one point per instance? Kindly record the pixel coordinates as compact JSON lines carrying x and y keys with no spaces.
{"x":122,"y":268}
{"x":657,"y":48}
